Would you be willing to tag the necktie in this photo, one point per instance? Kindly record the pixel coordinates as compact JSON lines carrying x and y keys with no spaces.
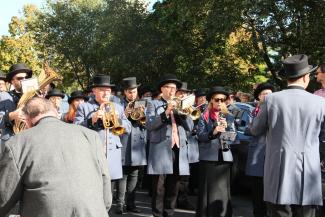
{"x":175,"y":137}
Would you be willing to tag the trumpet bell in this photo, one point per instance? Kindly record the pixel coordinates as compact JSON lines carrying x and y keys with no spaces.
{"x":143,"y":120}
{"x":118,"y":130}
{"x":195,"y":114}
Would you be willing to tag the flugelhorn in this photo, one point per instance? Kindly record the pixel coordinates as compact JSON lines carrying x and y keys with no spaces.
{"x":137,"y":112}
{"x":110,"y":119}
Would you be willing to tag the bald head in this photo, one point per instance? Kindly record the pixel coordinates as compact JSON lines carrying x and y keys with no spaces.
{"x":37,"y":108}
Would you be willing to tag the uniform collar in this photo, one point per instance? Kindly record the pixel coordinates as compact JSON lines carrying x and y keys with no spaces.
{"x":295,"y":86}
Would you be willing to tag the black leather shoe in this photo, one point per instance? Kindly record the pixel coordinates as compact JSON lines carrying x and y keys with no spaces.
{"x":119,"y":211}
{"x":133,"y":209}
{"x":185,"y":205}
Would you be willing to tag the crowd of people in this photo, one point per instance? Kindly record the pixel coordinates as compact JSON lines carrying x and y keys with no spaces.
{"x":174,"y":136}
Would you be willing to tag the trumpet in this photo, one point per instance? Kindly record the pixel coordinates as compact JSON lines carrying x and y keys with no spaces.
{"x":184,"y":106}
{"x":110,"y":119}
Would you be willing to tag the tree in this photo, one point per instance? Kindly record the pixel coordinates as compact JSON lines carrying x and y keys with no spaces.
{"x":20,"y":45}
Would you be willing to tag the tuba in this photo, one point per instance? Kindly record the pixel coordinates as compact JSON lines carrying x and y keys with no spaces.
{"x":46,"y":76}
{"x":110,"y":119}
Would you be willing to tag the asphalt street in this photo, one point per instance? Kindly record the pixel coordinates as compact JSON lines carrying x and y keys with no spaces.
{"x":241,"y":207}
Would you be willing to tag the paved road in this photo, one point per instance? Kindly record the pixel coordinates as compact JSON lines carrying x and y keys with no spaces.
{"x":241,"y":206}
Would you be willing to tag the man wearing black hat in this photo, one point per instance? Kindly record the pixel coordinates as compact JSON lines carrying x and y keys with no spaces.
{"x":256,"y":155}
{"x":200,"y":98}
{"x":17,"y":73}
{"x":56,"y":96}
{"x":294,"y":123}
{"x":91,"y":115}
{"x":168,"y":151}
{"x":133,"y":150}
{"x":183,"y":201}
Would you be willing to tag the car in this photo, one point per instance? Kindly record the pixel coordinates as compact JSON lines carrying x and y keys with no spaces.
{"x":243,"y":115}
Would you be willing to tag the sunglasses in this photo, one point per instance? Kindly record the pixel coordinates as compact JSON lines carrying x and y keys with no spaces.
{"x":219,"y":99}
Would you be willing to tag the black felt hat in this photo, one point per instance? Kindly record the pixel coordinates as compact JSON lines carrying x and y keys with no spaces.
{"x":215,"y":90}
{"x":297,"y":66}
{"x":201,"y":92}
{"x":130,"y":83}
{"x":2,"y":76}
{"x":144,"y":89}
{"x":169,"y":78}
{"x":78,"y":94}
{"x":184,"y":87}
{"x":101,"y":81}
{"x":18,"y":68}
{"x":261,"y":87}
{"x":54,"y":92}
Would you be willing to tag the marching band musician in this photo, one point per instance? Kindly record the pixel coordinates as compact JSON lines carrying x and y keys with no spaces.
{"x":91,"y":116}
{"x":133,"y":150}
{"x":9,"y":100}
{"x":55,"y":96}
{"x":168,"y":151}
{"x":183,"y":201}
{"x":256,"y":154}
{"x":215,"y":160}
{"x":293,"y":121}
{"x":77,"y":97}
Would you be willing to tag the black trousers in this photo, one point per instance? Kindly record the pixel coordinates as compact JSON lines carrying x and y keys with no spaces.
{"x":276,"y":210}
{"x":127,"y":186}
{"x":165,"y":189}
{"x":259,"y":205}
{"x":214,"y":198}
{"x":182,"y":197}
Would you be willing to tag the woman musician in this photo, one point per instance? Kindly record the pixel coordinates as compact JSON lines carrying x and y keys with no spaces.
{"x":215,"y":159}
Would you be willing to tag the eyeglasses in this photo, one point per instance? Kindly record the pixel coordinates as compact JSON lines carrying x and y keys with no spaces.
{"x":20,"y":78}
{"x":219,"y":99}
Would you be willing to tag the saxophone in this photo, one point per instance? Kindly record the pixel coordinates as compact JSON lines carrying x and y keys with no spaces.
{"x":46,"y":76}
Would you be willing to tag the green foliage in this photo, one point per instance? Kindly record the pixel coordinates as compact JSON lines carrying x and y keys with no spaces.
{"x":207,"y":42}
{"x":20,"y":45}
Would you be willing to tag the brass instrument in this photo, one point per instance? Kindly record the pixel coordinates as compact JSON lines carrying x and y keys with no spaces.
{"x":110,"y":119}
{"x":46,"y":76}
{"x":184,"y":106}
{"x":137,"y":114}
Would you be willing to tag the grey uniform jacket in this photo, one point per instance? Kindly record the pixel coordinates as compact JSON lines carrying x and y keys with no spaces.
{"x":112,"y":142}
{"x":134,"y":144}
{"x":160,"y":130}
{"x":256,"y":156}
{"x":193,"y":146}
{"x":55,"y":169}
{"x":7,"y":104}
{"x":256,"y":153}
{"x":293,"y":121}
